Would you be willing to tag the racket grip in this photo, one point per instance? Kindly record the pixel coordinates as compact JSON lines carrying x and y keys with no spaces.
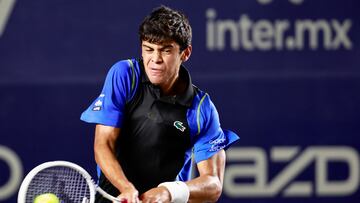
{"x":109,"y":197}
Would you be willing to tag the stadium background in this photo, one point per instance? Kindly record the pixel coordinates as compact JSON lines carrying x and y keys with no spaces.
{"x":284,"y":74}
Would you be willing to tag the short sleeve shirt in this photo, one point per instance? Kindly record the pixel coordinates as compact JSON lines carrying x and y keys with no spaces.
{"x":159,"y":134}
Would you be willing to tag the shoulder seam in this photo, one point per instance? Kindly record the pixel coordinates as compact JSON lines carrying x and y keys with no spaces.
{"x":132,"y":74}
{"x":198,"y":112}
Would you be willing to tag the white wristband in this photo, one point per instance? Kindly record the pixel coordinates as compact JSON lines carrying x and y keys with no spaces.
{"x":179,"y":191}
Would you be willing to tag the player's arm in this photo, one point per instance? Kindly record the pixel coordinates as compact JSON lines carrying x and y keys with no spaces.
{"x":104,"y":149}
{"x":205,"y":188}
{"x":208,"y":186}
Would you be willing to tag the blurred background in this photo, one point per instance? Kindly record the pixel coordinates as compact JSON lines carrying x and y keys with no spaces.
{"x":284,"y":75}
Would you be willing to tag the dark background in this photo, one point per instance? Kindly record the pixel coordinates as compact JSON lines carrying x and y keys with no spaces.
{"x":54,"y":56}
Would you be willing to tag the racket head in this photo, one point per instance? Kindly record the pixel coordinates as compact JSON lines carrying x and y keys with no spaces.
{"x":68,"y":181}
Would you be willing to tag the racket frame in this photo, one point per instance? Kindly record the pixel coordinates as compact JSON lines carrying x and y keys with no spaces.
{"x":90,"y":182}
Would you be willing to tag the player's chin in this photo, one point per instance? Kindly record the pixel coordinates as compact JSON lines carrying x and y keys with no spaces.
{"x":155,"y":80}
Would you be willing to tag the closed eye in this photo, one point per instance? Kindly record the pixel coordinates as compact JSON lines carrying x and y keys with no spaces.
{"x":167,"y":50}
{"x":147,"y":48}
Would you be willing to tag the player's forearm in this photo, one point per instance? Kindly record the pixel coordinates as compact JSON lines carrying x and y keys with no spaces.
{"x":204,"y":189}
{"x":104,"y":149}
{"x":110,"y":167}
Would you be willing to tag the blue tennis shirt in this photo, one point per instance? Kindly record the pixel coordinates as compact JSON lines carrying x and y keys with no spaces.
{"x":159,"y":134}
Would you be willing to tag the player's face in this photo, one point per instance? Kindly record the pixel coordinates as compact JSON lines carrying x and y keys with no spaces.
{"x":162,"y":62}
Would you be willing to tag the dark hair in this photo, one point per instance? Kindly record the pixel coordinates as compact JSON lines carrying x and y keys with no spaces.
{"x":165,"y":24}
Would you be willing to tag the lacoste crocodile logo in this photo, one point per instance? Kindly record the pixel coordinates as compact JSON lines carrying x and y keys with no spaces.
{"x":179,"y":125}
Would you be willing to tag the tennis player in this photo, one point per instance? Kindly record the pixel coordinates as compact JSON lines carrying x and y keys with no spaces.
{"x":152,"y":121}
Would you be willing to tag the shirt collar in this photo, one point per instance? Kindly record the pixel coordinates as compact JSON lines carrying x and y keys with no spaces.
{"x":184,"y":99}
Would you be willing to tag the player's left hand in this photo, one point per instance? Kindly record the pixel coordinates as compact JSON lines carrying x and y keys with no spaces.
{"x":158,"y":194}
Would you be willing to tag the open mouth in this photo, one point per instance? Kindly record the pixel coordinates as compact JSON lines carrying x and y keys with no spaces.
{"x":154,"y":71}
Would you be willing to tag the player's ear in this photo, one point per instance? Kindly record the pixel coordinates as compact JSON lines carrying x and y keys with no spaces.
{"x":186,"y":53}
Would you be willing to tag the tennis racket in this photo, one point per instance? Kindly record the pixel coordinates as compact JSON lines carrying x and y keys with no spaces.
{"x":68,"y":181}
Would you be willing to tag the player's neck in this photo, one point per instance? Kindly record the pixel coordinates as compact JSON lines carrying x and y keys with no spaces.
{"x":176,"y":87}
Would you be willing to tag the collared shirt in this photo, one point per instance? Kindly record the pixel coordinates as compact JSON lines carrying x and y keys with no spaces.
{"x":159,"y":133}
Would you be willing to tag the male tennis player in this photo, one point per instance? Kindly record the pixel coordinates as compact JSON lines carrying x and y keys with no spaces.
{"x":151,"y":121}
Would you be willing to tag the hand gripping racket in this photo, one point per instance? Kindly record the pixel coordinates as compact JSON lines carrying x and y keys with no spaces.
{"x":68,"y":181}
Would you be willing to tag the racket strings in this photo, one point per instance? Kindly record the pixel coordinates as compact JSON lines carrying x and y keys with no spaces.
{"x":66,"y":183}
